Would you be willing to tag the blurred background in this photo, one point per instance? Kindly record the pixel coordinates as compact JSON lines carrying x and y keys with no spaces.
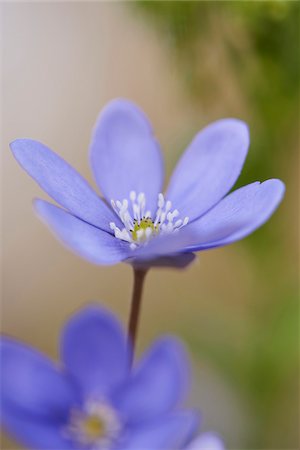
{"x":185,"y":64}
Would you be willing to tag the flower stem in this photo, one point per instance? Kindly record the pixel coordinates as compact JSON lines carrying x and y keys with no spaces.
{"x":136,"y":300}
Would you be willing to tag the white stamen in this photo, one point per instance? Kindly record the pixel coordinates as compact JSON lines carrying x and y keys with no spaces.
{"x":132,"y":196}
{"x":168,"y":206}
{"x":109,"y":426}
{"x":185,"y":221}
{"x":162,"y":217}
{"x":140,"y":234}
{"x":141,"y":197}
{"x":148,"y":232}
{"x":135,"y":230}
{"x":178,"y":223}
{"x":161,"y":201}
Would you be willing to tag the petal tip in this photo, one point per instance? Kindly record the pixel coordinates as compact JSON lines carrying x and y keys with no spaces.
{"x":94,"y":311}
{"x":124,"y":106}
{"x":40,"y":206}
{"x":16,"y":146}
{"x":277,"y":186}
{"x":22,"y":144}
{"x":173,"y":349}
{"x":237,"y":126}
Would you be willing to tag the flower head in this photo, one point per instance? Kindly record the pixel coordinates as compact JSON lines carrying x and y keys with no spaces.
{"x":137,"y":223}
{"x":90,"y":400}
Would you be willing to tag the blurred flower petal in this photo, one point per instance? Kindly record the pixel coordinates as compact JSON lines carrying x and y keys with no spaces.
{"x":158,"y":383}
{"x":207,"y":441}
{"x":30,"y":383}
{"x":94,"y":350}
{"x":36,"y":434}
{"x":171,"y":432}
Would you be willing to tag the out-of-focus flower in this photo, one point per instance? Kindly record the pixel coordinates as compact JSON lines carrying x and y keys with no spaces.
{"x":141,"y":225}
{"x":91,"y":400}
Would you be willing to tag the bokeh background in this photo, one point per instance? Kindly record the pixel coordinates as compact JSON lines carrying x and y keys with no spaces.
{"x":185,"y":64}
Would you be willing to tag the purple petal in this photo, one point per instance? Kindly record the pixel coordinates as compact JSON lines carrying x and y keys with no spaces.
{"x":36,"y":434}
{"x":177,"y":261}
{"x":165,"y":246}
{"x":236,"y":216}
{"x":207,"y":441}
{"x":209,"y":167}
{"x":170,"y":432}
{"x":89,"y":242}
{"x":233,"y":218}
{"x":94,"y":350}
{"x":157,"y":385}
{"x":125,"y":155}
{"x":62,"y":182}
{"x":31,"y":384}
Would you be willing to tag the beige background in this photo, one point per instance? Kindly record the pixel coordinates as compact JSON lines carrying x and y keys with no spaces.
{"x":61,"y":63}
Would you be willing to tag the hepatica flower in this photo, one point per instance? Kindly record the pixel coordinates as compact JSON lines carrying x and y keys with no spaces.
{"x":91,"y":401}
{"x":136,"y":222}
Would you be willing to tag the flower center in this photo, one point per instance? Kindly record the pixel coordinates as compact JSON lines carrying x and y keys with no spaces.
{"x":95,"y":427}
{"x":139,"y":226}
{"x":142,"y":229}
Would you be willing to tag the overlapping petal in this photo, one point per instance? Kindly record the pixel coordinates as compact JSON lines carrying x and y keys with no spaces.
{"x":125,"y":155}
{"x":94,"y":351}
{"x":170,"y":432}
{"x":233,"y":218}
{"x":35,"y":433}
{"x":156,"y":385}
{"x":91,"y":243}
{"x":209,"y":167}
{"x":31,"y":384}
{"x":236,"y":216}
{"x":63,"y":183}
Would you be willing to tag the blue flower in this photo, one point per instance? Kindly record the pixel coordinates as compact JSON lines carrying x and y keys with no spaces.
{"x":137,"y":223}
{"x":91,"y":400}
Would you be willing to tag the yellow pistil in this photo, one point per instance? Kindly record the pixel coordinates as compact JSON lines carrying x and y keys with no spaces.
{"x":93,"y":428}
{"x":139,"y":230}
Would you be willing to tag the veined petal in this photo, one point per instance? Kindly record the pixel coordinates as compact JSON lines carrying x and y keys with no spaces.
{"x":63,"y":183}
{"x":125,"y":155}
{"x":237,"y":215}
{"x":207,"y":441}
{"x":32,"y":385}
{"x":170,"y":432}
{"x":233,"y":218}
{"x":94,"y":350}
{"x":209,"y":167}
{"x":34,"y":433}
{"x":91,"y":243}
{"x":157,"y":384}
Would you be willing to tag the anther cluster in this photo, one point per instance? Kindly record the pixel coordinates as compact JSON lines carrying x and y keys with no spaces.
{"x":139,"y":226}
